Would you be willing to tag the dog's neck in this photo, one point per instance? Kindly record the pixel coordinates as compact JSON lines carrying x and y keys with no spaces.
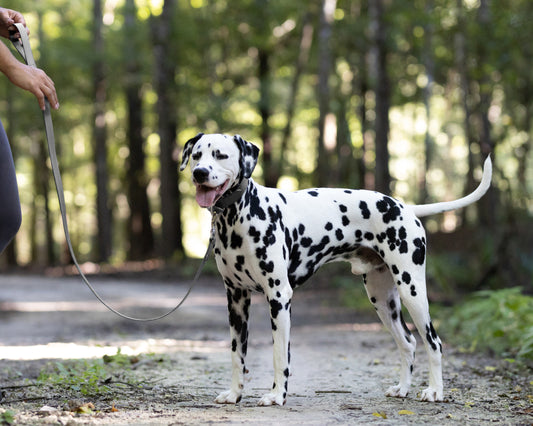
{"x":230,"y":197}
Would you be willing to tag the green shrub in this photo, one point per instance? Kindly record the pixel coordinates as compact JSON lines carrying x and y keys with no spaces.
{"x":500,"y":321}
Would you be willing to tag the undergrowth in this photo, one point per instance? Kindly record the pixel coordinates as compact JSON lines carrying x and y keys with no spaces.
{"x":496,"y":321}
{"x":85,"y":378}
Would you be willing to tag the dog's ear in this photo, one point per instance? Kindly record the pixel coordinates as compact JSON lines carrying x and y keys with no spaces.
{"x":249,"y":156}
{"x":187,"y":149}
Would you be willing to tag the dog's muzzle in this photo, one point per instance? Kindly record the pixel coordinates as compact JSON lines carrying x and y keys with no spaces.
{"x":207,"y":196}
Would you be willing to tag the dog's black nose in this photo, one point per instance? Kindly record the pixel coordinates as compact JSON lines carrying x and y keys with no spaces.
{"x":200,"y":175}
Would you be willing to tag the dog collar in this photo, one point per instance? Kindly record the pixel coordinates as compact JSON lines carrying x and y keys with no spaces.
{"x":228,"y":199}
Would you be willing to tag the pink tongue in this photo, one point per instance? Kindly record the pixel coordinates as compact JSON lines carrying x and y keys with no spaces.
{"x":205,"y":197}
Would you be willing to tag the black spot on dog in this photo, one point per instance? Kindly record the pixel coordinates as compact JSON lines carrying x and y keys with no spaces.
{"x":236,"y":240}
{"x":267,"y":267}
{"x":419,"y":255}
{"x":345,"y":221}
{"x":363,"y":206}
{"x":313,"y":193}
{"x":369,"y":236}
{"x":320,"y":246}
{"x":389,"y":208}
{"x":431,"y":336}
{"x":329,"y":226}
{"x":255,"y":234}
{"x":306,"y":242}
{"x":255,"y":205}
{"x":343,"y":208}
{"x":406,"y":278}
{"x":339,"y":234}
{"x":275,"y":307}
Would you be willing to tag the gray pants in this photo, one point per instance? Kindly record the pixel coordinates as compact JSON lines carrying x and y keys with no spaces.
{"x":10,"y":214}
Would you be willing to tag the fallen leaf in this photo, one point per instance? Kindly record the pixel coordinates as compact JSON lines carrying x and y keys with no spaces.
{"x":381,"y":415}
{"x":113,"y":409}
{"x":490,"y":368}
{"x":469,"y":404}
{"x":405,"y":413}
{"x":85,"y":408}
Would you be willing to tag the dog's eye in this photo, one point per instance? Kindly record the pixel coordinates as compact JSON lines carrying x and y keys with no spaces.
{"x":220,"y":156}
{"x":196,"y":156}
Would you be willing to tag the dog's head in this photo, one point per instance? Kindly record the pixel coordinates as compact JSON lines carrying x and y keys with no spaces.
{"x":218,"y":163}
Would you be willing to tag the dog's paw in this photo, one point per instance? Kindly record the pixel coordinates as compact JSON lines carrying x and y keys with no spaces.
{"x":228,"y":397}
{"x":272,"y":398}
{"x":432,"y":395}
{"x":397,"y":391}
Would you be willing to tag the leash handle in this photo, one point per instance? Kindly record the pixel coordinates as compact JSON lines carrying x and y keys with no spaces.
{"x":22,"y":45}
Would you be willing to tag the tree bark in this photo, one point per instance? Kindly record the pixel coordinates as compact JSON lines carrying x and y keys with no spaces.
{"x":382,"y":91}
{"x":171,"y":238}
{"x":103,"y":211}
{"x":139,"y":226}
{"x":324,"y":69}
{"x":303,"y":56}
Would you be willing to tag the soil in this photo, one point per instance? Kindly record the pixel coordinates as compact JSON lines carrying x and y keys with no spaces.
{"x":342,"y":362}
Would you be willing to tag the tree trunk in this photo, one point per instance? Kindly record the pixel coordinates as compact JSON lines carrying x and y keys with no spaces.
{"x":381,"y":86}
{"x":265,"y":112}
{"x":103,"y":211}
{"x":139,"y":227}
{"x":488,"y":205}
{"x":428,"y":92}
{"x":303,"y":56}
{"x":461,"y":63}
{"x":166,"y":112}
{"x":324,"y":68}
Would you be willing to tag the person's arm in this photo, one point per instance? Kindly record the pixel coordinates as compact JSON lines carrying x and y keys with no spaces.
{"x":28,"y":78}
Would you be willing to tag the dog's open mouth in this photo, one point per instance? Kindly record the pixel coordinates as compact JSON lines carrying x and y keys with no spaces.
{"x":207,"y":196}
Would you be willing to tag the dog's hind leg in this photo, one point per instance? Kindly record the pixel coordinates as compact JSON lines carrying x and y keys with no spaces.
{"x":238,"y":307}
{"x":383,"y":294}
{"x":415,"y":300}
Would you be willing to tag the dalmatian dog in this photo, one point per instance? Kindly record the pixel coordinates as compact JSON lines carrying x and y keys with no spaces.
{"x":272,"y":241}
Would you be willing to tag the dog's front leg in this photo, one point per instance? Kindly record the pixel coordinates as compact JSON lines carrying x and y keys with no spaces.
{"x":280,"y":315}
{"x":238,"y":307}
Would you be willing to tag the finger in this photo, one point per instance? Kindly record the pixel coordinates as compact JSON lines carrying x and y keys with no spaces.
{"x":40,"y":99}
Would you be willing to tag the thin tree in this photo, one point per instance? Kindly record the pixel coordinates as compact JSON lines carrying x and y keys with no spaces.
{"x":164,"y":72}
{"x":140,"y":233}
{"x":103,"y":212}
{"x":381,"y":86}
{"x":324,"y":69}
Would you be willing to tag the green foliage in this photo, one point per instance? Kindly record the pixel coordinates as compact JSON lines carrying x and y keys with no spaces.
{"x":7,"y":417}
{"x":88,"y":377}
{"x":499,"y":321}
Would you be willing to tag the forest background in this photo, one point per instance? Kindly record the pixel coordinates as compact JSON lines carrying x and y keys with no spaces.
{"x":405,"y":97}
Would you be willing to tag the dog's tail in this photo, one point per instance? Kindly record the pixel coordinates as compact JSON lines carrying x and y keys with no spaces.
{"x":435,"y":208}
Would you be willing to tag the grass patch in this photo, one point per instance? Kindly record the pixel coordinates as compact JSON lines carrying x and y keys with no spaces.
{"x":95,"y":377}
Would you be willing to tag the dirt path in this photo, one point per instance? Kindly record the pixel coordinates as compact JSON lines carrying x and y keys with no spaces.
{"x":341,"y":364}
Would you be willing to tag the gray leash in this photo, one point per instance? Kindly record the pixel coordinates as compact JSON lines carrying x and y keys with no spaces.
{"x":23,"y":47}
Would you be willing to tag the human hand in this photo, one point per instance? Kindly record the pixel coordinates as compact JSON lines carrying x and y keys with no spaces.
{"x":9,"y":17}
{"x":35,"y":81}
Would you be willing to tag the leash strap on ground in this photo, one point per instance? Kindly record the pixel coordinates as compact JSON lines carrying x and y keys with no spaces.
{"x":23,"y":47}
